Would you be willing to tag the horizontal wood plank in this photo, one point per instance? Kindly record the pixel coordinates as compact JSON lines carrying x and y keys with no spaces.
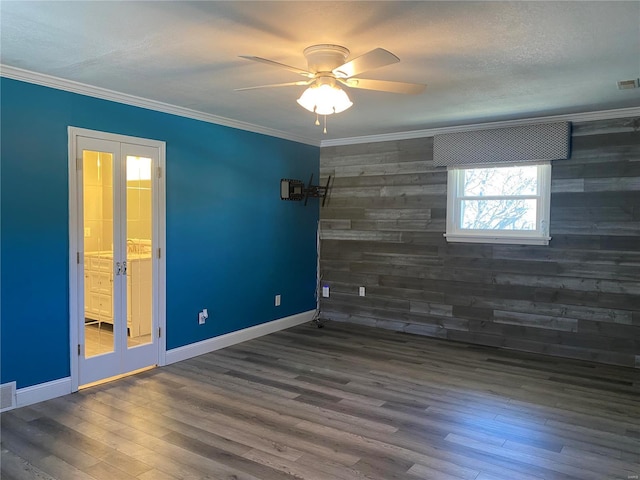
{"x":587,"y":280}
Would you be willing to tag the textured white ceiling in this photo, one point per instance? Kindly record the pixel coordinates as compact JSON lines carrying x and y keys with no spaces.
{"x":481,"y":61}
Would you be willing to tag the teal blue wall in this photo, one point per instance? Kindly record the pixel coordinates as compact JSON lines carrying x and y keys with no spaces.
{"x":232,"y":244}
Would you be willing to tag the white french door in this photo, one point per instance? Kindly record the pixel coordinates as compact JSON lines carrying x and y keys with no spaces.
{"x":117,"y":238}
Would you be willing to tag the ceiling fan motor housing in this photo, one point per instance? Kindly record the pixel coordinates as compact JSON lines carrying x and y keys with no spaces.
{"x":325,"y":57}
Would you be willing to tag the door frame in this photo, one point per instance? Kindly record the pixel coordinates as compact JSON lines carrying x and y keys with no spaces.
{"x":74,"y":251}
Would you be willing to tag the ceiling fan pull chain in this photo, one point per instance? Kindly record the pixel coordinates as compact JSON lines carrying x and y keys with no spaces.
{"x":317,"y":121}
{"x":325,"y":124}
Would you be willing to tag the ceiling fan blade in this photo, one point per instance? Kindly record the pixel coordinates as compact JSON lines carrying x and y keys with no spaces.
{"x":299,"y":71}
{"x":384,"y":85}
{"x":374,"y":59}
{"x":288,"y":84}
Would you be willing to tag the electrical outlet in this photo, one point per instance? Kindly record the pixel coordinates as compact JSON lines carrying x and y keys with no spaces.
{"x":361,"y":293}
{"x":278,"y":298}
{"x":325,"y":291}
{"x":202,"y":316}
{"x":87,"y":232}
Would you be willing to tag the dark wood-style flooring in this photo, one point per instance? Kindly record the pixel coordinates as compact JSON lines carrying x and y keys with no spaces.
{"x":344,"y":403}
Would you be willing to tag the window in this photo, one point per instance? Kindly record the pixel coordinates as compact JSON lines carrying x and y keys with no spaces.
{"x":499,"y":204}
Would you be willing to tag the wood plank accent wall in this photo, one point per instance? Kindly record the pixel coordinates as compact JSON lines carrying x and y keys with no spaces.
{"x":579,"y":297}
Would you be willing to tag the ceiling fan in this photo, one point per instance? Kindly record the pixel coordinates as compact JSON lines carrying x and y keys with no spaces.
{"x":328,"y":69}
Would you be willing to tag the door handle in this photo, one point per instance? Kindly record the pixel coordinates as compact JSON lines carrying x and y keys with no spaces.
{"x":121,"y":268}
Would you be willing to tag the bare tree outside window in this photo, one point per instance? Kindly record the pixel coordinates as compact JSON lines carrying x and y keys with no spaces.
{"x":499,"y":204}
{"x":499,"y":198}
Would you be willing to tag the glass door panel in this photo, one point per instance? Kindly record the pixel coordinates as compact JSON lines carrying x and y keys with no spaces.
{"x":97,"y":207}
{"x":116,"y":273}
{"x":139,"y":247}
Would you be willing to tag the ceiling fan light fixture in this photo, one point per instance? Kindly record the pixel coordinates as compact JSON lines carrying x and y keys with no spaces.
{"x":325,"y":99}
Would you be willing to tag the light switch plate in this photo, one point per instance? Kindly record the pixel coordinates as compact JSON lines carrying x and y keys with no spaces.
{"x":325,"y":291}
{"x":278,"y":298}
{"x":361,"y":293}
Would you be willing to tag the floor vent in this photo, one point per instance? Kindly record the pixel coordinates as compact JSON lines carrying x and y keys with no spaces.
{"x":7,"y":396}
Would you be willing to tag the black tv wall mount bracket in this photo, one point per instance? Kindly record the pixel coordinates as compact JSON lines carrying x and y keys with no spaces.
{"x":291,"y":189}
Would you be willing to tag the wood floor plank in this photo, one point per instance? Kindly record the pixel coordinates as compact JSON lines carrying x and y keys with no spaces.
{"x":578,"y":460}
{"x":14,"y":467}
{"x":156,"y":475}
{"x":330,"y":469}
{"x":288,"y":467}
{"x":141,"y":445}
{"x":339,"y":403}
{"x":48,"y":439}
{"x":422,"y":471}
{"x":535,"y":462}
{"x":106,"y":471}
{"x":245,"y":422}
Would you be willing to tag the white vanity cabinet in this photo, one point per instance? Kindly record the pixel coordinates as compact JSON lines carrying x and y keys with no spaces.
{"x":98,"y":288}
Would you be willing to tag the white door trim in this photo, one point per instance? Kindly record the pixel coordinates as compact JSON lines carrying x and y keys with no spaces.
{"x":73,"y":134}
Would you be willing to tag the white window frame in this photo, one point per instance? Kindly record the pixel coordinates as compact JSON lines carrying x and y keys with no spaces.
{"x":539,"y":236}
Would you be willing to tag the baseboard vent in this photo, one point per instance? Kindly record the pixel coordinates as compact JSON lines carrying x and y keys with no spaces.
{"x":629,"y":84}
{"x":7,"y":396}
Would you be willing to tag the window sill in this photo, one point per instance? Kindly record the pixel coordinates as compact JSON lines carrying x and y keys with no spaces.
{"x":510,"y":240}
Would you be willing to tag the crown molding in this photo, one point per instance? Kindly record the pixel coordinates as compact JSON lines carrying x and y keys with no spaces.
{"x":430,"y":132}
{"x":113,"y":96}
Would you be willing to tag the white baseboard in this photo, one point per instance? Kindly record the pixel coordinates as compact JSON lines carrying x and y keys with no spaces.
{"x":57,"y":388}
{"x":42,"y":391}
{"x":226,"y":340}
